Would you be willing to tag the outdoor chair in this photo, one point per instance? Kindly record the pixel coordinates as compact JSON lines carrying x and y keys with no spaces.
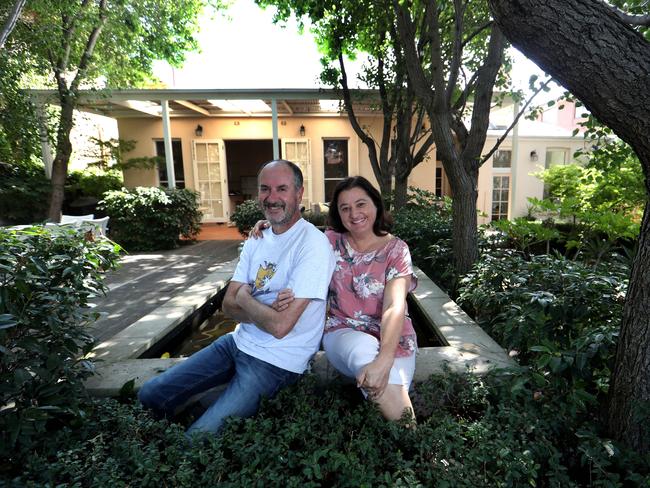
{"x":72,"y":219}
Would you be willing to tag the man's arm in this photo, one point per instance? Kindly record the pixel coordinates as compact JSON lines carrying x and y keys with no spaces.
{"x":240,"y":305}
{"x":230,"y":306}
{"x":278,"y":324}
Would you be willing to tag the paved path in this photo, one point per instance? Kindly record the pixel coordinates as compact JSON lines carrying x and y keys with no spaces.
{"x":145,"y":281}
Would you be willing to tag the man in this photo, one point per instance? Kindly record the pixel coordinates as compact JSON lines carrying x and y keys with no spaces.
{"x":269,"y":349}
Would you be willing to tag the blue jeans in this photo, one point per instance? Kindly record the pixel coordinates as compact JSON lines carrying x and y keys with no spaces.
{"x":219,"y":363}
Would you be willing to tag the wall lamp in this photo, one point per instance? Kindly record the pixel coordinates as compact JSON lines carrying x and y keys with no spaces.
{"x":302,"y":131}
{"x":533,"y":155}
{"x":198,"y":131}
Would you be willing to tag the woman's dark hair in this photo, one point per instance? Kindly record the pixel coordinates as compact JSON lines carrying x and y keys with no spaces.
{"x":383,"y":221}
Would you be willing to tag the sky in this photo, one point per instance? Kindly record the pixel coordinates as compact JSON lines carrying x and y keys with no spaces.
{"x":242,"y":48}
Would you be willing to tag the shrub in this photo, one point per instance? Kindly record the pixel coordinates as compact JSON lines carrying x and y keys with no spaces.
{"x":246,"y":216}
{"x":424,"y":223}
{"x":47,"y":275}
{"x":480,"y":432}
{"x":148,"y":219}
{"x":92,"y":183}
{"x":24,"y":193}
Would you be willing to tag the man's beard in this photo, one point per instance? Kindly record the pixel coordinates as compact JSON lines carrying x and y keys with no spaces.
{"x":289,"y":211}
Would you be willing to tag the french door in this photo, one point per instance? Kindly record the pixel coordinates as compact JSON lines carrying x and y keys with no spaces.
{"x":211,"y":180}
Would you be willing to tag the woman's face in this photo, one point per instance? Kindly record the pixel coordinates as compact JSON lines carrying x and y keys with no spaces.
{"x":357,"y":210}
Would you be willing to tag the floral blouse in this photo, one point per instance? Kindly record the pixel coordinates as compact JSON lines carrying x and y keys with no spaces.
{"x":356,"y":291}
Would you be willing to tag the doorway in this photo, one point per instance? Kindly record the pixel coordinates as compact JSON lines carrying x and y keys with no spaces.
{"x":245,"y":158}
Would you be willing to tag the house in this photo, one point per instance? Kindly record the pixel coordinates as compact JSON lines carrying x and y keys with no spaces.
{"x":215,"y":141}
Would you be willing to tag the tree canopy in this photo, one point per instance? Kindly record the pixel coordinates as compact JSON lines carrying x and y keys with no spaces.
{"x":99,"y":43}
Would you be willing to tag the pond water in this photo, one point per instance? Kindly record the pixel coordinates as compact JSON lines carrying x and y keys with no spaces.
{"x":196,"y":338}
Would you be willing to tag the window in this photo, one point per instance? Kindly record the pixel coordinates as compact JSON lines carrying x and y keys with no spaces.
{"x":502,"y":158}
{"x":177,"y":154}
{"x":335,"y":159}
{"x":556,"y":156}
{"x":438,"y":182}
{"x":500,"y":197}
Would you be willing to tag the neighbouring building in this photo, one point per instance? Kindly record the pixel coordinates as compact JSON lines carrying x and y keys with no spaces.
{"x":214,"y":141}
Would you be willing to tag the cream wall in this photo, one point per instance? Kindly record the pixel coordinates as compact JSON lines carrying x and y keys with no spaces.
{"x":146,"y":131}
{"x":526,"y":185}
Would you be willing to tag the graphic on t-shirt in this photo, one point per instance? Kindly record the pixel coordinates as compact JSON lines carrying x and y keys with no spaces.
{"x":265,"y":273}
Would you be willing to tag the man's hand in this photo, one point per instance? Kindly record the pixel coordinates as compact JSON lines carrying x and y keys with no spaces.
{"x":282,"y":301}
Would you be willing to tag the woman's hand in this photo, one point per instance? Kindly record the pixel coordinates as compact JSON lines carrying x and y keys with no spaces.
{"x":257,"y":229}
{"x":373,"y":378}
{"x":282,"y":301}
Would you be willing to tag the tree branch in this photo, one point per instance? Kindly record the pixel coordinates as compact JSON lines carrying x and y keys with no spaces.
{"x":632,"y":19}
{"x":514,"y":122}
{"x":90,"y":47}
{"x":10,"y":23}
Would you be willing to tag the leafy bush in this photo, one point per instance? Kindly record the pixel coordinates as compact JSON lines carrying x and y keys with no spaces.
{"x":318,"y":219}
{"x":24,"y":193}
{"x":424,"y":223}
{"x":246,"y":216}
{"x":47,"y":275}
{"x":559,"y":316}
{"x":149,"y":219}
{"x":92,"y":183}
{"x":471,"y":432}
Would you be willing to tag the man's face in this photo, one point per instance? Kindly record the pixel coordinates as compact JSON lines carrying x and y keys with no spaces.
{"x":278,"y":196}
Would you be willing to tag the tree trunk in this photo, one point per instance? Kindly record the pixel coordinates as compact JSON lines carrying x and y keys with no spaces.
{"x":61,"y":160}
{"x":401,"y":191}
{"x":630,"y":386}
{"x":605,"y":64}
{"x":465,"y":227}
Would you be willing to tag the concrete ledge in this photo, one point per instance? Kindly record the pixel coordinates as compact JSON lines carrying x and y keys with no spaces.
{"x":467,"y":346}
{"x":137,"y":338}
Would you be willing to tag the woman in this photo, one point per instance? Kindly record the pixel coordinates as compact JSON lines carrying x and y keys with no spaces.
{"x":368,"y":334}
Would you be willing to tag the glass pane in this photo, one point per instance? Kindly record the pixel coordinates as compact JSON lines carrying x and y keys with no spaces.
{"x":204,"y":188}
{"x":217,"y":208}
{"x":214,"y":172}
{"x":203,"y":171}
{"x":556,"y":156}
{"x":501,"y":159}
{"x":291,"y":151}
{"x":213,"y":152}
{"x":201,"y":152}
{"x":215,"y":188}
{"x":335,"y":155}
{"x":302,"y":151}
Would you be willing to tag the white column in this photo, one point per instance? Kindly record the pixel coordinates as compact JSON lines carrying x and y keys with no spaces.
{"x":46,"y":149}
{"x":514,"y":162}
{"x":167,"y":138}
{"x":276,"y":144}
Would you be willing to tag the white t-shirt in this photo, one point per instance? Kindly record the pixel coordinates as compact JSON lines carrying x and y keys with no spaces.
{"x":301,"y":259}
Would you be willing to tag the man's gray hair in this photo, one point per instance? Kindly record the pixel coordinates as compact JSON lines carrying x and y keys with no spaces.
{"x":297,"y":174}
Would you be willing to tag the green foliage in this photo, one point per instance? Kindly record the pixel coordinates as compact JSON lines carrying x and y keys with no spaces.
{"x":471,"y":432}
{"x":147,"y":219}
{"x":318,"y":219}
{"x":522,"y":234}
{"x":19,"y":136}
{"x":558,"y":314}
{"x":110,"y":155}
{"x":246,"y":216}
{"x":92,"y":183}
{"x":47,"y":275}
{"x":424,"y":223}
{"x":24,"y":193}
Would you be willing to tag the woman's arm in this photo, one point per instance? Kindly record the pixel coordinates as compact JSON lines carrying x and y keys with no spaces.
{"x":374,"y":377}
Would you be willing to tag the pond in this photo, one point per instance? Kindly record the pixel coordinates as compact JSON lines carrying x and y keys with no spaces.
{"x":195,"y":337}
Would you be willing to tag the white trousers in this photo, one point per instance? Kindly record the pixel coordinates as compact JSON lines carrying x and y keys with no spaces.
{"x":349,"y":350}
